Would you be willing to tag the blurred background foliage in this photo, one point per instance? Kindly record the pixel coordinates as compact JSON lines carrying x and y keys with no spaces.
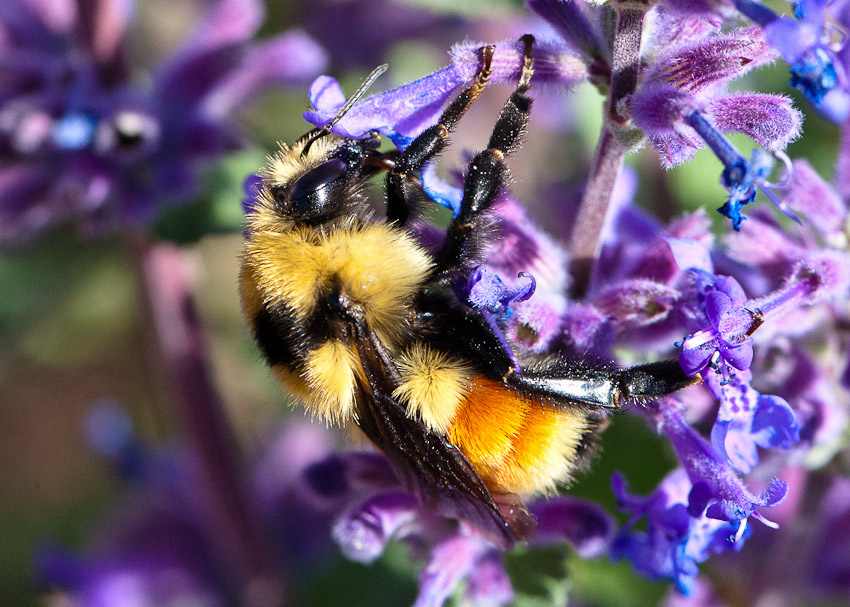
{"x":71,"y":335}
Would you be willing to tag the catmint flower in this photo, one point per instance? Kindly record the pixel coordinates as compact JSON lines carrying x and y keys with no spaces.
{"x":726,"y":342}
{"x":82,"y":140}
{"x":674,"y":541}
{"x":717,"y":491}
{"x":578,"y":23}
{"x":739,"y":177}
{"x":404,"y":112}
{"x":692,"y":78}
{"x":456,"y":550}
{"x":748,"y":419}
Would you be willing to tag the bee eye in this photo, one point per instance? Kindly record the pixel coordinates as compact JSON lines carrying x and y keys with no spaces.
{"x":310,"y":194}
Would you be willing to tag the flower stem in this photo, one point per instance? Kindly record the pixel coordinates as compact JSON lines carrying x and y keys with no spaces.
{"x":610,"y":152}
{"x":181,"y":361}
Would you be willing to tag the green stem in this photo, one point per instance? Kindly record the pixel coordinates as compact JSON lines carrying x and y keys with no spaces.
{"x":610,"y":151}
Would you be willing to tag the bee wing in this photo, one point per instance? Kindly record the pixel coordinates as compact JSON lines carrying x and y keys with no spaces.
{"x":427,"y":463}
{"x":431,"y":467}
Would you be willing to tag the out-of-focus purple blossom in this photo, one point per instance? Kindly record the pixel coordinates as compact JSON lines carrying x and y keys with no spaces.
{"x":584,"y":525}
{"x":806,"y":192}
{"x":80,"y":140}
{"x":252,"y":186}
{"x":578,"y":23}
{"x":808,"y":46}
{"x":451,"y":561}
{"x":488,"y":583}
{"x":455,"y":551}
{"x":163,"y":560}
{"x":364,"y":532}
{"x":637,"y":302}
{"x":366,"y":45}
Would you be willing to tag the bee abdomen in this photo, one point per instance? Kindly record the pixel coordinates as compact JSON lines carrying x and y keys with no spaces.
{"x":279,"y":337}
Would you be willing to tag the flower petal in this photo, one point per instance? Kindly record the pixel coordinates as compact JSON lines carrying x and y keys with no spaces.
{"x":583,"y":524}
{"x":770,"y":120}
{"x":363,"y":532}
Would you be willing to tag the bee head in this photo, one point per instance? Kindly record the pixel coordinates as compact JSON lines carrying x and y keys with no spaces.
{"x":315,"y":180}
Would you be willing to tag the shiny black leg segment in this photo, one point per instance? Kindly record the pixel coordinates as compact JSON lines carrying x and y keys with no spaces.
{"x":431,"y":142}
{"x":653,"y":380}
{"x":487,"y":170}
{"x":600,"y":387}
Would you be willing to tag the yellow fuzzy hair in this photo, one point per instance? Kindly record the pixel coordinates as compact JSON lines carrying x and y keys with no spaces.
{"x":329,"y":374}
{"x":376,"y":265}
{"x":486,"y":423}
{"x":543,"y":452}
{"x":433,"y":385}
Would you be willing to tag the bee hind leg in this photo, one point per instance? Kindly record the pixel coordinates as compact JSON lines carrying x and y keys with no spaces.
{"x":653,"y":380}
{"x":603,"y":387}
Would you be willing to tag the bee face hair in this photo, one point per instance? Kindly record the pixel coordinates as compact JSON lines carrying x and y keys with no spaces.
{"x":361,"y":324}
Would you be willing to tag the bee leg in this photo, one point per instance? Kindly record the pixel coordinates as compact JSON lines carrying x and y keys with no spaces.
{"x":431,"y":142}
{"x":653,"y":380}
{"x":602,"y":387}
{"x":487,"y":170}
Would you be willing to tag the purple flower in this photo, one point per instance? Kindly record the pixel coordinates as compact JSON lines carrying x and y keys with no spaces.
{"x":455,"y":550}
{"x":404,"y":112}
{"x":717,"y":491}
{"x":691,"y":78}
{"x":675,"y":541}
{"x":79,"y":140}
{"x":726,"y":342}
{"x":748,"y":419}
{"x":806,"y":44}
{"x":739,"y":176}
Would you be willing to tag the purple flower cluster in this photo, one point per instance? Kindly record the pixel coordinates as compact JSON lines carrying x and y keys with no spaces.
{"x":86,"y":137}
{"x":757,"y":312}
{"x":665,"y":285}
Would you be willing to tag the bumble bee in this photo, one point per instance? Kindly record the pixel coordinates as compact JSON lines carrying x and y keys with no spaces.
{"x":360,"y":323}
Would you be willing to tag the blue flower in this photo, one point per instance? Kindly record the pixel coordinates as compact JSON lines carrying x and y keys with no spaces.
{"x":404,"y":112}
{"x":748,"y":419}
{"x":805,"y":44}
{"x":740,"y":177}
{"x":674,"y":541}
{"x":717,"y":490}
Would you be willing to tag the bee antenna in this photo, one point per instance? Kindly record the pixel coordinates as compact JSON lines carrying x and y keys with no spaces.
{"x":361,"y":90}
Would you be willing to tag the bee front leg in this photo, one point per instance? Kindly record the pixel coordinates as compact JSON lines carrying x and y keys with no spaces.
{"x":431,"y":142}
{"x":487,"y":171}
